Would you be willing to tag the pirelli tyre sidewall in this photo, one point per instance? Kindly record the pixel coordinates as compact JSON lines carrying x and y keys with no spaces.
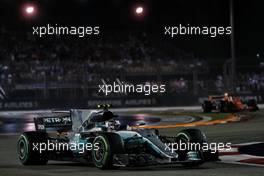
{"x":22,"y":148}
{"x":193,"y":136}
{"x":207,"y":106}
{"x":26,"y":154}
{"x":102,"y":156}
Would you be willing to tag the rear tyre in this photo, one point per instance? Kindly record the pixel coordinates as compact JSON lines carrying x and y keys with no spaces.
{"x":27,"y":153}
{"x":207,"y":106}
{"x":193,"y":136}
{"x":224,"y":107}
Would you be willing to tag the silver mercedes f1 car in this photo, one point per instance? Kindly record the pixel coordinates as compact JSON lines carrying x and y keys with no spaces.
{"x":97,"y":137}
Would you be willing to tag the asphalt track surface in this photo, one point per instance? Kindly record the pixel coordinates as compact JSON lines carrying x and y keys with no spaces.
{"x":239,"y":132}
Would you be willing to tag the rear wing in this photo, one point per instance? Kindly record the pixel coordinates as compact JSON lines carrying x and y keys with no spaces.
{"x":58,"y":121}
{"x":62,"y":121}
{"x":216,"y":97}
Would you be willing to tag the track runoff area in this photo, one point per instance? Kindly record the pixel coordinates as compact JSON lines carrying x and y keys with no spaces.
{"x":243,"y":130}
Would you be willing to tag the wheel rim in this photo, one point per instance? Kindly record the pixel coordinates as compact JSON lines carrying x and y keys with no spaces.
{"x":22,"y":149}
{"x":183,"y":137}
{"x":100,"y":153}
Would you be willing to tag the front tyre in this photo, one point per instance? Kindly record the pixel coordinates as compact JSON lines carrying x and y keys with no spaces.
{"x":252,"y":105}
{"x":102,"y":154}
{"x":193,"y":136}
{"x":27,"y":153}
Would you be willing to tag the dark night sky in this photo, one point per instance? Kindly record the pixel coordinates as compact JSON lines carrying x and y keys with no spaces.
{"x":117,"y":14}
